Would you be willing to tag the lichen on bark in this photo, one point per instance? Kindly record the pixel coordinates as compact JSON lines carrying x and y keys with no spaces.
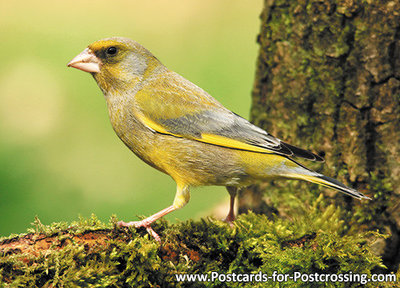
{"x":328,"y":80}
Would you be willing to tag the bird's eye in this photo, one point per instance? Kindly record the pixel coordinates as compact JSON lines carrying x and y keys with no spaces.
{"x":111,"y":50}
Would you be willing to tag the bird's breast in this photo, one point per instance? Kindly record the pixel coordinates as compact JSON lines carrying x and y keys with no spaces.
{"x":185,"y":160}
{"x":138,"y":138}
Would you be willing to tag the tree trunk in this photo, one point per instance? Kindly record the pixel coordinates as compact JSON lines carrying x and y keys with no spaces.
{"x":328,"y":80}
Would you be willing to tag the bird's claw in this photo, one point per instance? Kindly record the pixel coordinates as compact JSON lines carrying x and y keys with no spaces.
{"x":138,"y":224}
{"x":229,"y":221}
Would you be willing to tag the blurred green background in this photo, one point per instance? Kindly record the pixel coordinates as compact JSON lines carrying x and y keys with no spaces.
{"x":59,"y":155}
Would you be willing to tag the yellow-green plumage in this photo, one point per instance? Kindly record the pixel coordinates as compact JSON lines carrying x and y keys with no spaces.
{"x":181,"y":130}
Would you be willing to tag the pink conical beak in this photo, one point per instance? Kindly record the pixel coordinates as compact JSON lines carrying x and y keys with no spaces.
{"x":86,"y":61}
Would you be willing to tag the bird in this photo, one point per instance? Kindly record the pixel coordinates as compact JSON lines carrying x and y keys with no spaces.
{"x":181,"y":130}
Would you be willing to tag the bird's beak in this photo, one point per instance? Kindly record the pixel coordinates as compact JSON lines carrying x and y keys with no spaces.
{"x":86,"y":61}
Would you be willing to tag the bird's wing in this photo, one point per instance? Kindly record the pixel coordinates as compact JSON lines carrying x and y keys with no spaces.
{"x":173,"y":105}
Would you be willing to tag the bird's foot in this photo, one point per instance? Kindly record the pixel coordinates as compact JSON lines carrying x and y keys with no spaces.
{"x":230,"y":219}
{"x":138,"y":224}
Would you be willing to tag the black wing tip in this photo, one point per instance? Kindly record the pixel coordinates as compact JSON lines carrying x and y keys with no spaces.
{"x":296,"y":151}
{"x":285,"y":150}
{"x":318,"y":158}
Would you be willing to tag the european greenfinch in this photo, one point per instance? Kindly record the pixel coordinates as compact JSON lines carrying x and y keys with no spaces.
{"x":178,"y":128}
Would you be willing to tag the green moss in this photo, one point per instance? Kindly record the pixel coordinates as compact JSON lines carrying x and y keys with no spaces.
{"x":312,"y":242}
{"x":327,"y":81}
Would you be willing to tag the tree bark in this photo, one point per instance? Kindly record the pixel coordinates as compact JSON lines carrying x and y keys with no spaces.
{"x":328,"y":80}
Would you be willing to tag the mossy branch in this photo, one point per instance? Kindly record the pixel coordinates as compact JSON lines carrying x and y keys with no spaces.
{"x":89,"y":253}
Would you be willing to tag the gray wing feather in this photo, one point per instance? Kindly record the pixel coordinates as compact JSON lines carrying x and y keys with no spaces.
{"x":218,"y":120}
{"x":225,"y":123}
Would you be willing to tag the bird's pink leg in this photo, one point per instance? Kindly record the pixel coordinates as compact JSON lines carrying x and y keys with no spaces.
{"x":146,"y":222}
{"x":231,"y":215}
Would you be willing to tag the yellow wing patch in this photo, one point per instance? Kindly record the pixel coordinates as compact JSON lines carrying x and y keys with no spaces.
{"x":153,"y":125}
{"x":206,"y":138}
{"x":230,"y":143}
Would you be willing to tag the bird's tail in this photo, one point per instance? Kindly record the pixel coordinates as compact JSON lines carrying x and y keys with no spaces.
{"x":331,"y":183}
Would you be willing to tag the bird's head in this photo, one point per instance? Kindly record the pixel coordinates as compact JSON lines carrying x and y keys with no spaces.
{"x":116,"y":63}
